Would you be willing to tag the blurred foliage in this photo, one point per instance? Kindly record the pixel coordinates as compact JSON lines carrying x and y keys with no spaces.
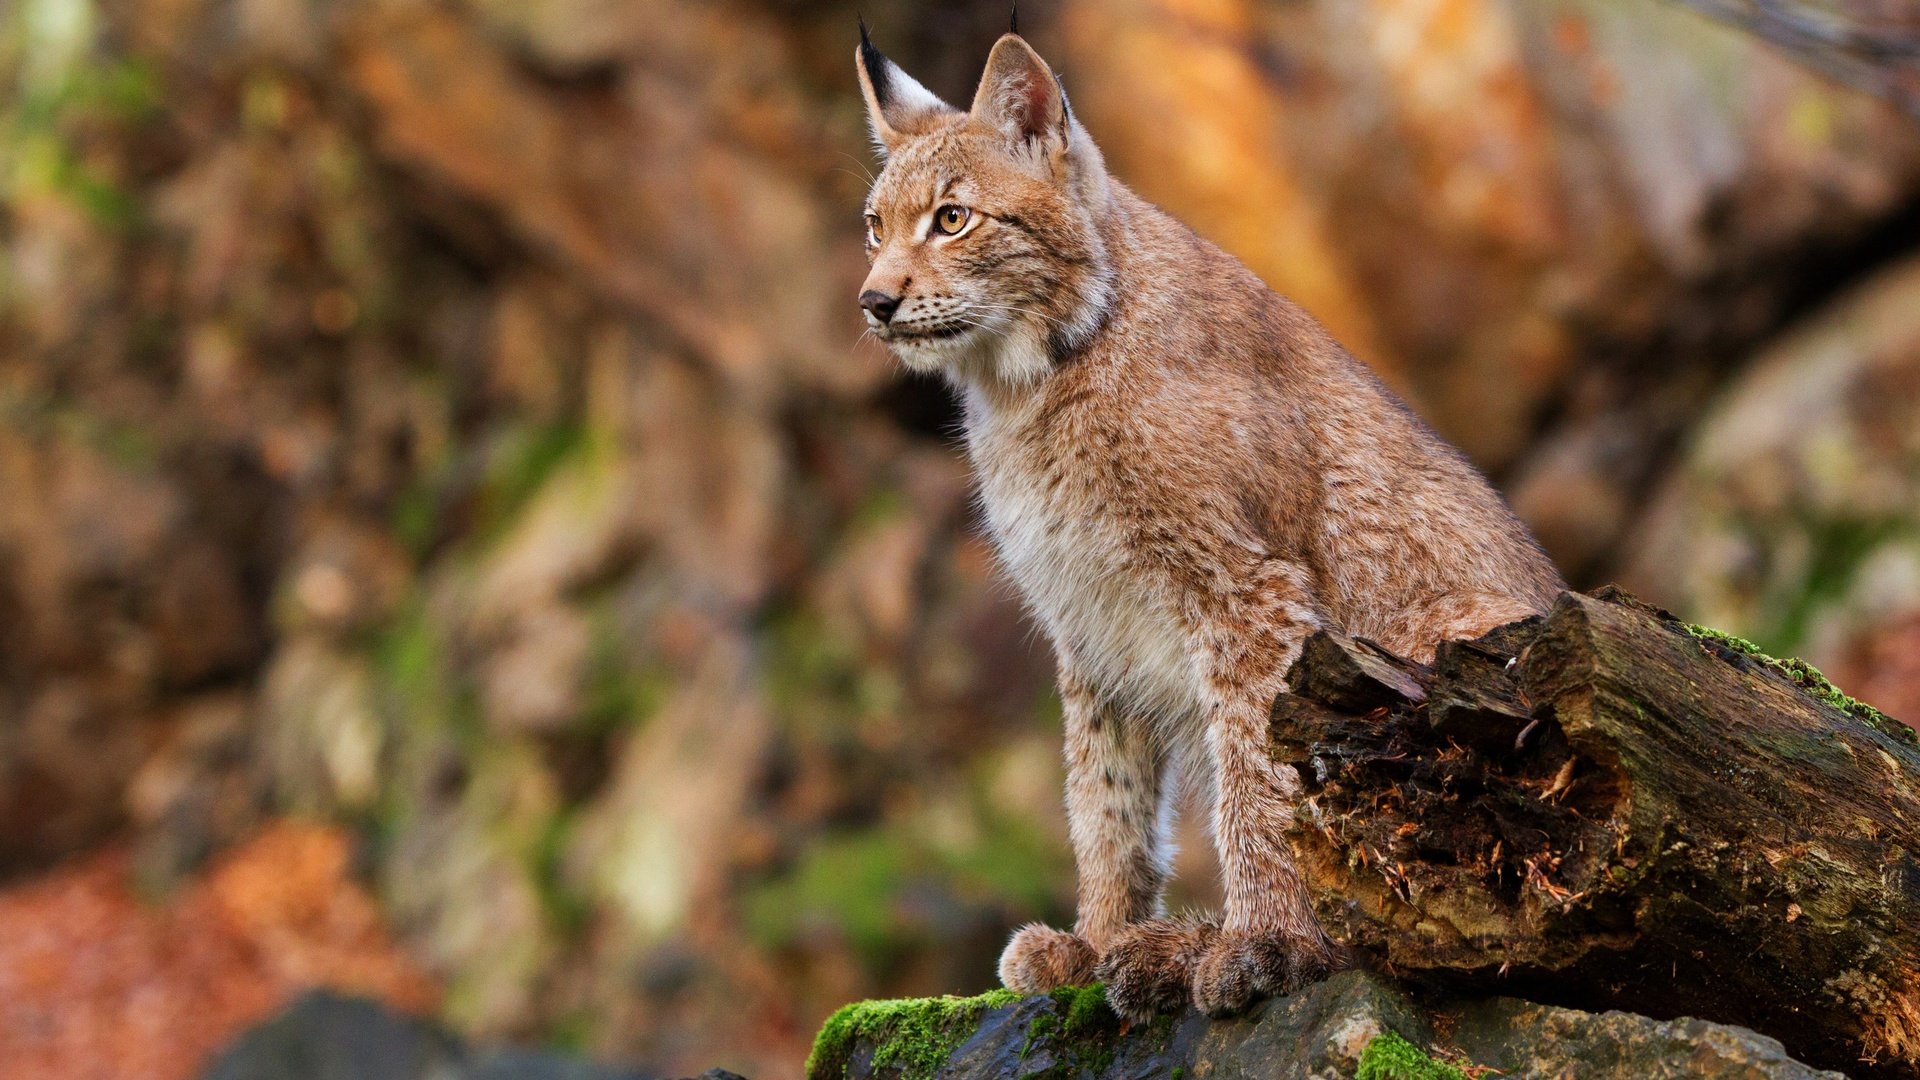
{"x":449,"y":419}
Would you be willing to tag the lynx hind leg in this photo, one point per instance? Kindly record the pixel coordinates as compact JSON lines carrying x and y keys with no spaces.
{"x":1149,"y":968}
{"x":1269,"y":940}
{"x":1238,"y":969}
{"x":1454,"y":617}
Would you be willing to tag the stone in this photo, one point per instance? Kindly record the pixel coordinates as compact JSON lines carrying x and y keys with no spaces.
{"x":1790,"y":519}
{"x":324,"y":1036}
{"x":1524,"y":1040}
{"x":1352,"y":1023}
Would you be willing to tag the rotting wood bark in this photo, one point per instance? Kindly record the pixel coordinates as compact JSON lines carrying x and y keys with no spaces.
{"x":1601,"y":809}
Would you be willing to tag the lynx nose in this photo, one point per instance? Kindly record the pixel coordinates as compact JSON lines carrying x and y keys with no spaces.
{"x":880,"y":304}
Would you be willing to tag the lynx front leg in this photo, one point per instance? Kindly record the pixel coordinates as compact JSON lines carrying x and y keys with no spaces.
{"x":1243,"y":641}
{"x":1114,"y":787}
{"x":1269,"y":940}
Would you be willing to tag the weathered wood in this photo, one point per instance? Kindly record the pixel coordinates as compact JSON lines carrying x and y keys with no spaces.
{"x":1603,"y":810}
{"x":1473,"y":704}
{"x":1353,"y":675}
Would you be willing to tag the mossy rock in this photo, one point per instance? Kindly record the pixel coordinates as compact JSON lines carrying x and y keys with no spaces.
{"x":1072,"y":1033}
{"x":1068,"y":1033}
{"x":1390,"y":1057}
{"x":908,"y":1038}
{"x":1355,"y":1024}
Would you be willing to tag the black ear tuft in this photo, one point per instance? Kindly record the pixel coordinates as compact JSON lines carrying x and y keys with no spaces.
{"x":876,"y":65}
{"x":1013,"y":18}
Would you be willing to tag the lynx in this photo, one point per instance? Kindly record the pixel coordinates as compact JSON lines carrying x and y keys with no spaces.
{"x":1185,"y":476}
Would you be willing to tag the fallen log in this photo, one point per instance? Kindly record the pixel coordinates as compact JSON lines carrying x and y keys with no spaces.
{"x":1604,"y":808}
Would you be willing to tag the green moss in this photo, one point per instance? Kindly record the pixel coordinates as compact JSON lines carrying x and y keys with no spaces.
{"x":567,"y":909}
{"x":517,"y":466}
{"x":821,"y":680}
{"x":1042,"y":1026}
{"x":1808,"y":678}
{"x":1085,"y":1007}
{"x":1390,"y":1057}
{"x":623,"y":689}
{"x":862,"y":886}
{"x":1836,"y":549}
{"x":51,"y":142}
{"x":1081,"y":1030}
{"x":852,"y":886}
{"x":915,"y":1035}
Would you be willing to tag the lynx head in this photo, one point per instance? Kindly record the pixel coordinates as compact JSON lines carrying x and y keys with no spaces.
{"x":983,"y":227}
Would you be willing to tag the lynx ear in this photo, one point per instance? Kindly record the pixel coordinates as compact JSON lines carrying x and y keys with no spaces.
{"x":897,"y":105}
{"x":1018,"y":95}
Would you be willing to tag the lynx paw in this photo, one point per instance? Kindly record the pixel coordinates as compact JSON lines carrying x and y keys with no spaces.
{"x":1149,"y":966}
{"x":1237,"y":969}
{"x":1040,"y":958}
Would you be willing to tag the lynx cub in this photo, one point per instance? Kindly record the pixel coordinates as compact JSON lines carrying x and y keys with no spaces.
{"x":1185,"y":476}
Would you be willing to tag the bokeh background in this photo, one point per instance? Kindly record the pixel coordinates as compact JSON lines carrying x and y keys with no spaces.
{"x":453,"y":547}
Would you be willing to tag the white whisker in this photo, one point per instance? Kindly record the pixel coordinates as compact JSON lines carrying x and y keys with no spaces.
{"x":861,"y":164}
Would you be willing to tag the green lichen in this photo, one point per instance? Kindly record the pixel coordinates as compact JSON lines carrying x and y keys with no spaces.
{"x":1808,"y":678}
{"x":1390,"y":1057}
{"x":914,"y":1035}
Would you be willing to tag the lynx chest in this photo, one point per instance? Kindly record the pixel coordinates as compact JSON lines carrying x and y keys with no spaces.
{"x":1063,"y":539}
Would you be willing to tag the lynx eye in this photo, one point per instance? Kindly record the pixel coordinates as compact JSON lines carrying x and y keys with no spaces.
{"x":873,"y":230}
{"x":949,"y":220}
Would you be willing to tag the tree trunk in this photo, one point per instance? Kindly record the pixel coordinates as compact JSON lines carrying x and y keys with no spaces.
{"x":1605,"y":810}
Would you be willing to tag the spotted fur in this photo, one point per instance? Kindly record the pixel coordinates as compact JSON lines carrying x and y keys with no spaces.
{"x":1185,"y":476}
